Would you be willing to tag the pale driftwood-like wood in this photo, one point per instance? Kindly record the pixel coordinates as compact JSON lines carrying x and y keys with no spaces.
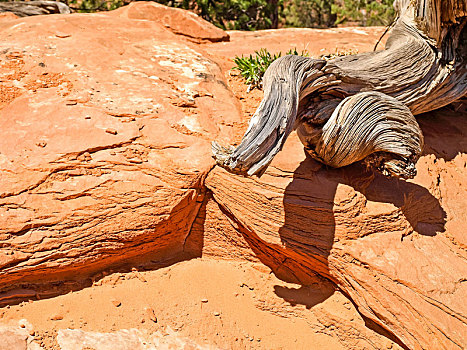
{"x":423,"y":67}
{"x":273,"y":120}
{"x":374,"y":123}
{"x":33,"y":8}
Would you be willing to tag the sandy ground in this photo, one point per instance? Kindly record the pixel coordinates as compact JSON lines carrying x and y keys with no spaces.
{"x":230,"y":305}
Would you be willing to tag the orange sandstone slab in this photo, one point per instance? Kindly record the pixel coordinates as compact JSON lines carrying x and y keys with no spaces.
{"x":106,"y":128}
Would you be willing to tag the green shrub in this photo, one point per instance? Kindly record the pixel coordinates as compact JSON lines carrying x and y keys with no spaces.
{"x":329,"y":13}
{"x":253,"y":67}
{"x":364,"y":12}
{"x":240,"y":14}
{"x":266,"y":14}
{"x":96,"y":5}
{"x":309,"y":13}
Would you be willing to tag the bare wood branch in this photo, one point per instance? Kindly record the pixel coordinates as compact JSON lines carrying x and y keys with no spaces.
{"x":373,"y":122}
{"x":33,"y":8}
{"x":423,"y":67}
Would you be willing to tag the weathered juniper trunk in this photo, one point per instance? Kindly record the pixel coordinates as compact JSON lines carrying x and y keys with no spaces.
{"x":33,"y":8}
{"x":362,"y":107}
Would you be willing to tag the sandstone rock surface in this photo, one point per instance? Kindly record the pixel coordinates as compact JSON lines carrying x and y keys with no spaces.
{"x":72,"y":339}
{"x":107,"y":124}
{"x":315,"y":41}
{"x":177,"y":20}
{"x":16,"y":338}
{"x":105,"y":161}
{"x":396,"y":248}
{"x":5,"y":16}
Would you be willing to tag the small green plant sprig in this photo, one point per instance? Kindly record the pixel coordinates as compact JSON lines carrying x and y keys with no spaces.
{"x":252,"y":67}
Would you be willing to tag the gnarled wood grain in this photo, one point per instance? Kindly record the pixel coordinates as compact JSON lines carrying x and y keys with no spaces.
{"x":423,"y":71}
{"x":373,"y":123}
{"x":34,"y":8}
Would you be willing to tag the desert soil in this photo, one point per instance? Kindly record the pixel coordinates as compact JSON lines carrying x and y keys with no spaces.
{"x":225,"y":304}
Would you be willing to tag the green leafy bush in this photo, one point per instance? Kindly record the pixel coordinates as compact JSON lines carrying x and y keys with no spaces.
{"x":266,"y":14}
{"x":95,"y":5}
{"x":253,"y":67}
{"x":364,"y":12}
{"x":240,"y":14}
{"x":329,"y":13}
{"x":309,"y":13}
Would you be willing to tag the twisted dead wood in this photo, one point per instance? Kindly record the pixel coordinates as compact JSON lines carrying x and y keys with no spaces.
{"x":374,"y":123}
{"x":361,"y":107}
{"x":33,"y":8}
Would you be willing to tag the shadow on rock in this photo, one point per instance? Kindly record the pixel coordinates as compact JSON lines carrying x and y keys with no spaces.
{"x":444,"y":131}
{"x":323,"y":206}
{"x":305,"y":295}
